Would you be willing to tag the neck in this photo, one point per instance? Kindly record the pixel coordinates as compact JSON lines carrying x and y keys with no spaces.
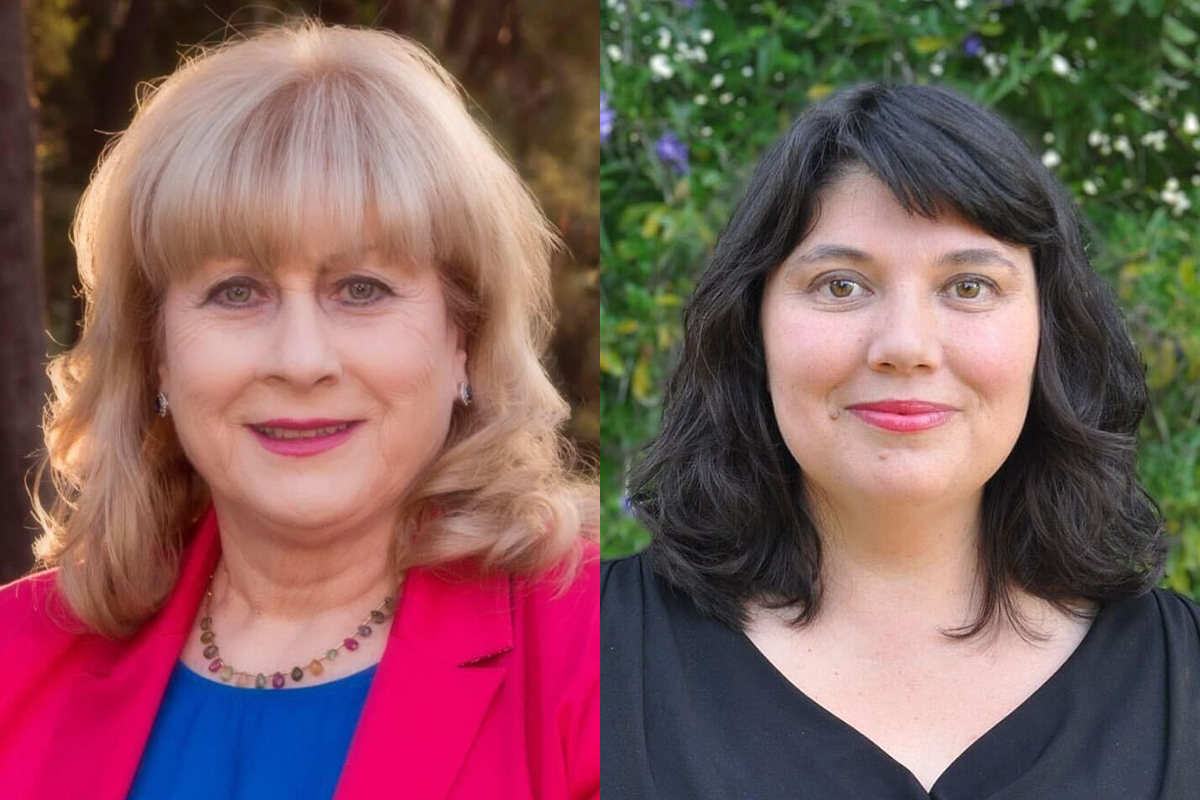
{"x":283,"y":576}
{"x":918,"y":561}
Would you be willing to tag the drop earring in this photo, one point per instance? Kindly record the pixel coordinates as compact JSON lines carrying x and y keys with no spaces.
{"x":464,"y":393}
{"x":160,"y":404}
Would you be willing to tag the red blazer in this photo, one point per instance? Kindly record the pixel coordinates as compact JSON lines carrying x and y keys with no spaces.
{"x":488,"y":688}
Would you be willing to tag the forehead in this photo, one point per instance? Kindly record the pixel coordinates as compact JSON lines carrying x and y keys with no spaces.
{"x":858,"y":211}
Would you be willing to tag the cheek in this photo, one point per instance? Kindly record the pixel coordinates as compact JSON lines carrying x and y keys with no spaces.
{"x":997,"y":361}
{"x":807,"y":355}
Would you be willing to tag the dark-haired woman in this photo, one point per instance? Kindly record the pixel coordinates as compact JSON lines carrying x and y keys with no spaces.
{"x":899,"y":548}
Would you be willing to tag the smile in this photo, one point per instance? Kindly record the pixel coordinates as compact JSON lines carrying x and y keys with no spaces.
{"x":903,"y":423}
{"x":289,"y":433}
{"x":299,"y":442}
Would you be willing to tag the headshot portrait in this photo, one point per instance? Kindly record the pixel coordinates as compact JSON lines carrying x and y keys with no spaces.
{"x":319,"y":520}
{"x":889,"y":532}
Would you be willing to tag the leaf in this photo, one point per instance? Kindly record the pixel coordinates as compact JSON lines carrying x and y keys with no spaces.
{"x":926,"y":45}
{"x":1187,"y":276}
{"x":653,"y":223}
{"x":1176,"y":56}
{"x":1178,"y":32}
{"x":818,"y":91}
{"x":1152,"y":8}
{"x":626,"y":327}
{"x":992,"y":29}
{"x":667,"y":300}
{"x":1121,"y":7}
{"x":642,"y":385}
{"x":1163,"y":364}
{"x":610,"y":363}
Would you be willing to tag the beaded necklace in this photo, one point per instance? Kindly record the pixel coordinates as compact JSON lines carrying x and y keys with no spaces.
{"x":227,"y":673}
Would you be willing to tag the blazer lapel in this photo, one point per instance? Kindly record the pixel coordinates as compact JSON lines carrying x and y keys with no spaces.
{"x":123,"y":683}
{"x":433,"y":686}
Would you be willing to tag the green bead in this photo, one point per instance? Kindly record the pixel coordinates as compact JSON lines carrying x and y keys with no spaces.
{"x":331,"y":654}
{"x":260,"y":682}
{"x":377,"y":617}
{"x":226,"y":673}
{"x":207,"y":637}
{"x":297,"y":673}
{"x":206,"y":624}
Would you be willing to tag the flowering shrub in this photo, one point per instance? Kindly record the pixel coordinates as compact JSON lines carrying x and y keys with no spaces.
{"x":1107,"y":90}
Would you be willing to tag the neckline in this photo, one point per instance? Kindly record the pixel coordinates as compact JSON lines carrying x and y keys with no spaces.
{"x":351,"y":681}
{"x":980,"y":743}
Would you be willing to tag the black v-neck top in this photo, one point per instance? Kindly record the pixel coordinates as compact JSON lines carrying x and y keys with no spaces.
{"x":691,"y":709}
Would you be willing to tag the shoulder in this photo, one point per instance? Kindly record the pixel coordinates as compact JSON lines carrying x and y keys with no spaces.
{"x":561,"y":607}
{"x":1160,"y":618}
{"x":32,"y":614}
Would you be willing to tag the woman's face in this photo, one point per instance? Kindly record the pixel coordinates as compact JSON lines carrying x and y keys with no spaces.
{"x":877,"y":304}
{"x":367,"y":343}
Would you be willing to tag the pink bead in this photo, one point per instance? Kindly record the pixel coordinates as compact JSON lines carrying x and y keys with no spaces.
{"x":215,"y":665}
{"x":277,"y":680}
{"x":351,"y":644}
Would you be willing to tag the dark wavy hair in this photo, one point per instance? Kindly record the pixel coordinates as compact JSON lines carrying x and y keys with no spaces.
{"x":1064,"y":517}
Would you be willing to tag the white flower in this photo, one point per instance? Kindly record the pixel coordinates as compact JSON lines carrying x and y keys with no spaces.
{"x":1127,"y":183}
{"x":1191,"y":124}
{"x":717,"y":81}
{"x":962,"y":4}
{"x":660,"y":65}
{"x":614,"y":52}
{"x":726,"y":98}
{"x":778,"y":76}
{"x":1051,"y":159}
{"x":1171,"y":185}
{"x":1121,"y":145}
{"x":1089,"y":43}
{"x":644,"y":16}
{"x":1155,"y":139}
{"x":992,"y":62}
{"x":747,"y":71}
{"x":1060,"y":65}
{"x":705,"y":36}
{"x":1196,"y":180}
{"x":936,"y":69}
{"x":1095,"y":138}
{"x":1181,"y":204}
{"x":613,"y":25}
{"x":664,"y":38}
{"x":1048,"y":137}
{"x":1089,"y":188}
{"x":700,"y":100}
{"x":706,"y":131}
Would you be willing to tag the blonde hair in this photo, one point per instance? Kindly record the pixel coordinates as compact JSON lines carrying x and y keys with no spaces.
{"x":247,"y":145}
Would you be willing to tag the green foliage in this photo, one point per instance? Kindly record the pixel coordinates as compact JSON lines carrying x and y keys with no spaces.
{"x":1106,"y":89}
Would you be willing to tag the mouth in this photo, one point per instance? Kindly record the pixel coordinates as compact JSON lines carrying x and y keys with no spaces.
{"x":300,"y":433}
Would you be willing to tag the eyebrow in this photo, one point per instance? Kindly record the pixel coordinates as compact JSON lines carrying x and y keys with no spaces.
{"x":969,"y":257}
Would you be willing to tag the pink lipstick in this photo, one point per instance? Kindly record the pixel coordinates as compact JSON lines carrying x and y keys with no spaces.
{"x":903,"y":416}
{"x":306,"y":437}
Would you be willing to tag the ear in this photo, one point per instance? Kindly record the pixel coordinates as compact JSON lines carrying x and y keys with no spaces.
{"x":162,"y":376}
{"x":460,"y":359}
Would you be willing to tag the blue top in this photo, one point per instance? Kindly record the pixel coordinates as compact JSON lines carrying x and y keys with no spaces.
{"x":211,"y":740}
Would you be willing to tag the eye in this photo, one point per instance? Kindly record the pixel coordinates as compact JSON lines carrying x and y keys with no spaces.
{"x":234,"y":292}
{"x":971,"y":288}
{"x":364,"y":291}
{"x":840,"y":288}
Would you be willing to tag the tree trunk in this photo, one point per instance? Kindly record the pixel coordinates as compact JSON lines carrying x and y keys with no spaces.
{"x":22,"y":316}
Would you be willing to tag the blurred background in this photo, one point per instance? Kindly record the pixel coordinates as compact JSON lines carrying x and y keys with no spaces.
{"x":1108,"y":91}
{"x":69,"y":75}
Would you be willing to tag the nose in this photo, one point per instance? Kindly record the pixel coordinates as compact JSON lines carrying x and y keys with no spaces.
{"x":301,"y":350}
{"x":906,"y":336}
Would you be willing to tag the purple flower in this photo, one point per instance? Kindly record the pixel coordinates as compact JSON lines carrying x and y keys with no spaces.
{"x":973,"y":45}
{"x":607,"y":117}
{"x":686,"y":4}
{"x":672,"y":152}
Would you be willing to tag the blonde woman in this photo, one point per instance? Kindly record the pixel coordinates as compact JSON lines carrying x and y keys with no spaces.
{"x":316,"y":536}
